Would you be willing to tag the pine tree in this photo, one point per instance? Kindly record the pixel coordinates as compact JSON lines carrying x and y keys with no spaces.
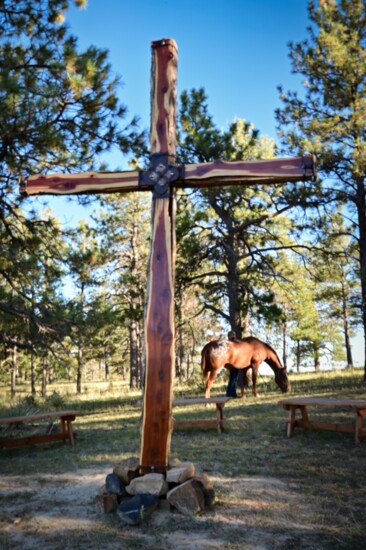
{"x":59,"y":110}
{"x":241,"y":228}
{"x":329,"y":119}
{"x":335,"y":266}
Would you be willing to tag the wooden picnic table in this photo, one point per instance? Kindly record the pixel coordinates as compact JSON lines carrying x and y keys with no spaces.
{"x":66,"y":431}
{"x":219,"y":421}
{"x":293,"y":404}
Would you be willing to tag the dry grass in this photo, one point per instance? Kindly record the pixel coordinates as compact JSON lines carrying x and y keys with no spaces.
{"x":271,"y":492}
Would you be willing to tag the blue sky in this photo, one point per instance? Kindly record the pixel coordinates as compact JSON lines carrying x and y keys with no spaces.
{"x":236,"y":49}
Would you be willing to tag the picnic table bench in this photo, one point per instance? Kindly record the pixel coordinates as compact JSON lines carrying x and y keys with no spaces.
{"x":66,"y":431}
{"x":357,"y":406}
{"x":200,"y":422}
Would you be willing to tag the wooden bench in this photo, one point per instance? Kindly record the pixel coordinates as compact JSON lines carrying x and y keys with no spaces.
{"x":66,"y":431}
{"x":357,"y":406}
{"x":200,"y":422}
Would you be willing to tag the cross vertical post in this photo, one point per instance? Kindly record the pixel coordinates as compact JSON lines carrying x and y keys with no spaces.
{"x":159,"y":314}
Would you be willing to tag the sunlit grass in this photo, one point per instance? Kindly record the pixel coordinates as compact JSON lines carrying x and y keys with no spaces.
{"x":325,"y":467}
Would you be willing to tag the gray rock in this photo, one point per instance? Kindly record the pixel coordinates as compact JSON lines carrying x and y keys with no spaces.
{"x":151,"y":484}
{"x":173,"y":462}
{"x":207,"y":487}
{"x":114,"y":485}
{"x":106,"y":502}
{"x":127,"y":470}
{"x":180,"y":474}
{"x":133,"y":510}
{"x":187,"y":498}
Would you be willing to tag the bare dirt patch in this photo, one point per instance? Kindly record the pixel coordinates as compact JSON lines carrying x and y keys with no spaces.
{"x":58,"y":512}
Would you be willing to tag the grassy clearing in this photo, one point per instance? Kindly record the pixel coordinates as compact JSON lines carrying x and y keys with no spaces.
{"x":325,"y":468}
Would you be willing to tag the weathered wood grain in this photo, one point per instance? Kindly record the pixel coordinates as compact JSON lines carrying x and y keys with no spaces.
{"x":195,"y":175}
{"x":159,"y":315}
{"x":163,"y":97}
{"x":89,"y":182}
{"x":221,"y":172}
{"x":159,"y":345}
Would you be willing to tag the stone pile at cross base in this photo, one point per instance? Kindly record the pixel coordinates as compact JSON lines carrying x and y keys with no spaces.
{"x":133,"y":497}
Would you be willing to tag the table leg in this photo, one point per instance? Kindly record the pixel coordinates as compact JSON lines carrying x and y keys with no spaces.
{"x":63,"y":426}
{"x":304,"y":413}
{"x":291,"y":421}
{"x":70,"y":432}
{"x":66,"y":429}
{"x":220,"y":417}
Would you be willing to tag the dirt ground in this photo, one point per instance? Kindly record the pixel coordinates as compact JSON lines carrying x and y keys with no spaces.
{"x":58,"y":512}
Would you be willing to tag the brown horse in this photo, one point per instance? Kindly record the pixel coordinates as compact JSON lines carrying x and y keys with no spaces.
{"x":245,"y":354}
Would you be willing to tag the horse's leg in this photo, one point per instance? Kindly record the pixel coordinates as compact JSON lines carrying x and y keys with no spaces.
{"x":210,"y":379}
{"x":255,"y":367}
{"x":244,"y":380}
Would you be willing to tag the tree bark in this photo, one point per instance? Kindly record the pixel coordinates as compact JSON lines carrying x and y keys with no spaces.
{"x":79,"y":373}
{"x":44,"y":377}
{"x":33,"y":375}
{"x":14,"y":371}
{"x":284,"y":344}
{"x":298,"y":356}
{"x":235,"y":295}
{"x":106,"y":364}
{"x":346,"y":330}
{"x":134,"y":355}
{"x":316,"y":357}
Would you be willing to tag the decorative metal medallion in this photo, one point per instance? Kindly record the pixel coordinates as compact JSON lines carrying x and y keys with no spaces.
{"x":160,"y":175}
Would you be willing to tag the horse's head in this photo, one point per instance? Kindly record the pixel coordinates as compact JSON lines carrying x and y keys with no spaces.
{"x":282,"y":380}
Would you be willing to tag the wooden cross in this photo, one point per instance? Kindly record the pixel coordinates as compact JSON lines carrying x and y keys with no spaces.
{"x":162,"y":178}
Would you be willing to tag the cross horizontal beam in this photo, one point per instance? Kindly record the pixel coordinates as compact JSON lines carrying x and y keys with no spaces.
{"x":218,"y":172}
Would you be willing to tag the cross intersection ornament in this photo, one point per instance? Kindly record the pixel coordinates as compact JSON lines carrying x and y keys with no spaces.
{"x":163,"y":177}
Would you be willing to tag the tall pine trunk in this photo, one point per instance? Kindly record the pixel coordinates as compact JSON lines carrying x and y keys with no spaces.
{"x":180,"y":352}
{"x":14,"y":371}
{"x":298,"y":355}
{"x":44,"y":377}
{"x":316,"y":351}
{"x":33,"y":375}
{"x":134,"y":355}
{"x":346,"y":330}
{"x":106,"y":363}
{"x":284,"y":344}
{"x":79,"y":373}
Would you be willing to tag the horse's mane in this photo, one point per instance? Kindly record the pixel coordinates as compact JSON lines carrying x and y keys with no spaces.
{"x":269,"y":360}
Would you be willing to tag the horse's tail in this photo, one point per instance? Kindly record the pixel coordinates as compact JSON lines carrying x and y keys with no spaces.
{"x":203,"y":361}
